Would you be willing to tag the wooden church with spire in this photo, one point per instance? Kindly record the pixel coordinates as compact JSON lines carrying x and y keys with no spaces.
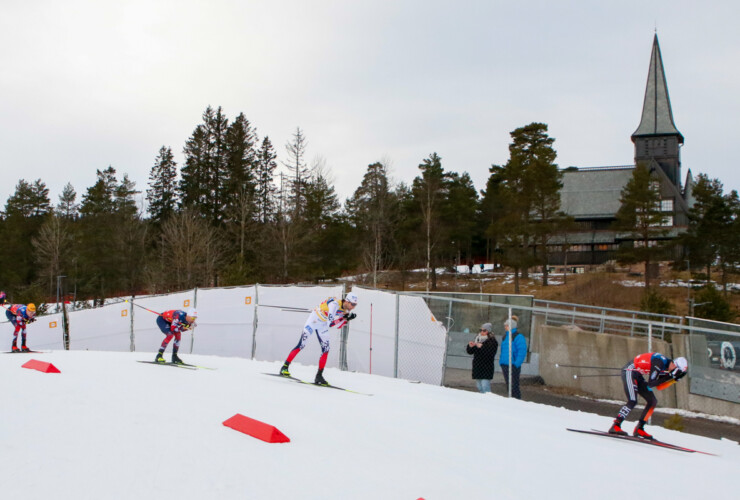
{"x":592,"y":195}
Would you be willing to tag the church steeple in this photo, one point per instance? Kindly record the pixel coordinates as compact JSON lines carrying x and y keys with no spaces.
{"x":657,"y":137}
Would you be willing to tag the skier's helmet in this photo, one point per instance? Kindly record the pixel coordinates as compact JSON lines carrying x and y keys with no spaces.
{"x":351,"y":297}
{"x":31,"y":309}
{"x":191,"y":314}
{"x":681,"y":364}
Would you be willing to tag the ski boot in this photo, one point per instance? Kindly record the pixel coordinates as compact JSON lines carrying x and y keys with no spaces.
{"x":639,"y":431}
{"x":159,"y":358}
{"x":176,"y":360}
{"x":25,"y":349}
{"x":284,"y":370}
{"x":616,"y":429}
{"x":320,"y":378}
{"x":15,"y":348}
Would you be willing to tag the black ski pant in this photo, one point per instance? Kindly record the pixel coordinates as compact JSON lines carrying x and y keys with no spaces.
{"x":515,"y":372}
{"x":634,"y":384}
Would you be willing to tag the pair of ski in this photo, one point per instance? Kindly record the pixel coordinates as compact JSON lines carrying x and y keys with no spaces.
{"x":178,"y":365}
{"x":317,"y":385}
{"x":25,"y":352}
{"x":653,"y":442}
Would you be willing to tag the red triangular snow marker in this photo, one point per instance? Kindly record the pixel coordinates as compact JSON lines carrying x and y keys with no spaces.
{"x":41,"y":366}
{"x":255,"y":428}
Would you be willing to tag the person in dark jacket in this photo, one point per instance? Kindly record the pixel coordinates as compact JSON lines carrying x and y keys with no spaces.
{"x":483,"y":349}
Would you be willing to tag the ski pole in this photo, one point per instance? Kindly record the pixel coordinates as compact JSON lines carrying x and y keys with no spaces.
{"x":599,"y":375}
{"x":287,"y":308}
{"x":137,"y":305}
{"x":557,"y":365}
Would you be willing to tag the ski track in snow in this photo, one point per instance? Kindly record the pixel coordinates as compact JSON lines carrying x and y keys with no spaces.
{"x":108,"y":427}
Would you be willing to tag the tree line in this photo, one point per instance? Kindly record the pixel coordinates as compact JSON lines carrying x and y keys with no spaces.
{"x":229,"y":216}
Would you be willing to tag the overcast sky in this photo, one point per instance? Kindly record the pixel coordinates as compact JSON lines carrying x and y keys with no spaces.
{"x":87,"y":84}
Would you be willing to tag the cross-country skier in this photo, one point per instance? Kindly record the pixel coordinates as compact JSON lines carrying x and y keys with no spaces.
{"x":662,"y":372}
{"x":331,"y":312}
{"x":20,"y":315}
{"x":3,"y":298}
{"x":173,"y":323}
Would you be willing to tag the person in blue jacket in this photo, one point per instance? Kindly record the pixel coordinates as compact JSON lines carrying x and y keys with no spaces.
{"x":518,"y":354}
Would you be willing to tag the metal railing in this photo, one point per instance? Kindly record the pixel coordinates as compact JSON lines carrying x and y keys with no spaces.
{"x":604,"y":319}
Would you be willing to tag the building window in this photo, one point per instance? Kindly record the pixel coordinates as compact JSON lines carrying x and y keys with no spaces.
{"x":667,"y":221}
{"x":641,"y":244}
{"x":666,"y":205}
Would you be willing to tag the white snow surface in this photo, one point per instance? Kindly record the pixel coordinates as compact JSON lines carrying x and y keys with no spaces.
{"x":108,"y":427}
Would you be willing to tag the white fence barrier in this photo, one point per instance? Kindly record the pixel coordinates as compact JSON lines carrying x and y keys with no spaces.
{"x":265,"y":322}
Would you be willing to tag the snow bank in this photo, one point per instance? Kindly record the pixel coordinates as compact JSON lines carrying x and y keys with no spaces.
{"x":109,"y":427}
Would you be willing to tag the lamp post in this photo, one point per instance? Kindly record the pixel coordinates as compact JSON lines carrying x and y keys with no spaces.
{"x":59,"y":288}
{"x":688,"y":289}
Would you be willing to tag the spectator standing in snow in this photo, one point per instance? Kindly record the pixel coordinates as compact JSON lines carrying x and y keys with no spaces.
{"x":483,"y":349}
{"x":518,"y":354}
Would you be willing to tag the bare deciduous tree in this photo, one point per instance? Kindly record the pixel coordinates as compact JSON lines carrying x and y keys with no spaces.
{"x":50,"y":245}
{"x":192,"y":250}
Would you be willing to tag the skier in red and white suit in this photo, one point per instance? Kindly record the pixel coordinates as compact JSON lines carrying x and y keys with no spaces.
{"x":661,"y":371}
{"x":19,"y":316}
{"x":172,"y":323}
{"x":330,"y":313}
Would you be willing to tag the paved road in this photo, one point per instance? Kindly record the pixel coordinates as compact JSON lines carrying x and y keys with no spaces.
{"x":539,"y":393}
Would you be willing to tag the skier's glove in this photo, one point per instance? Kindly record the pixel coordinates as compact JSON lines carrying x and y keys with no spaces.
{"x":678,"y":374}
{"x":350,"y":316}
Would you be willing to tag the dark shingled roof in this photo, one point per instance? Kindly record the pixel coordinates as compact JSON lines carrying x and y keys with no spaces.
{"x":593,"y":192}
{"x":657,"y":116}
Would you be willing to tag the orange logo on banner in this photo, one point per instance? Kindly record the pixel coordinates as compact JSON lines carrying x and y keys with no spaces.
{"x":186,"y":303}
{"x":247,"y":300}
{"x":52,"y":324}
{"x":124,"y":313}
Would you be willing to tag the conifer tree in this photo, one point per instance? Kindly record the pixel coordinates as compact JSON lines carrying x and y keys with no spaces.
{"x":22,"y":202}
{"x":459,"y":216}
{"x":265,"y":184}
{"x":370,"y":212}
{"x":528,"y":189}
{"x":193,"y":186}
{"x":162,"y":193}
{"x":430,"y":191}
{"x":709,"y":219}
{"x":241,"y":158}
{"x":98,"y":199}
{"x":67,"y":207}
{"x":204,"y":175}
{"x":640,"y":216}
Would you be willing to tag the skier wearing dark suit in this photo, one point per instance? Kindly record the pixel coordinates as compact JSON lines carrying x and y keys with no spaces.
{"x":661,"y":373}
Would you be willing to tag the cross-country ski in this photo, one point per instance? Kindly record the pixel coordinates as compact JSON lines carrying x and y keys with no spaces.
{"x":164,"y":363}
{"x":634,"y":439}
{"x":327,"y":386}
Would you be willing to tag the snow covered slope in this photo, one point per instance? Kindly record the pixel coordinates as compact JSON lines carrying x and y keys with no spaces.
{"x":108,"y":427}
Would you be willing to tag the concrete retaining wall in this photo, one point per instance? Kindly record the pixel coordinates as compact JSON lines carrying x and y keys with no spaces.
{"x":563,"y":345}
{"x":559,"y":345}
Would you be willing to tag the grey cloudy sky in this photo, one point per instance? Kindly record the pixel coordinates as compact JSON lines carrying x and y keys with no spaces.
{"x":87,"y":84}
